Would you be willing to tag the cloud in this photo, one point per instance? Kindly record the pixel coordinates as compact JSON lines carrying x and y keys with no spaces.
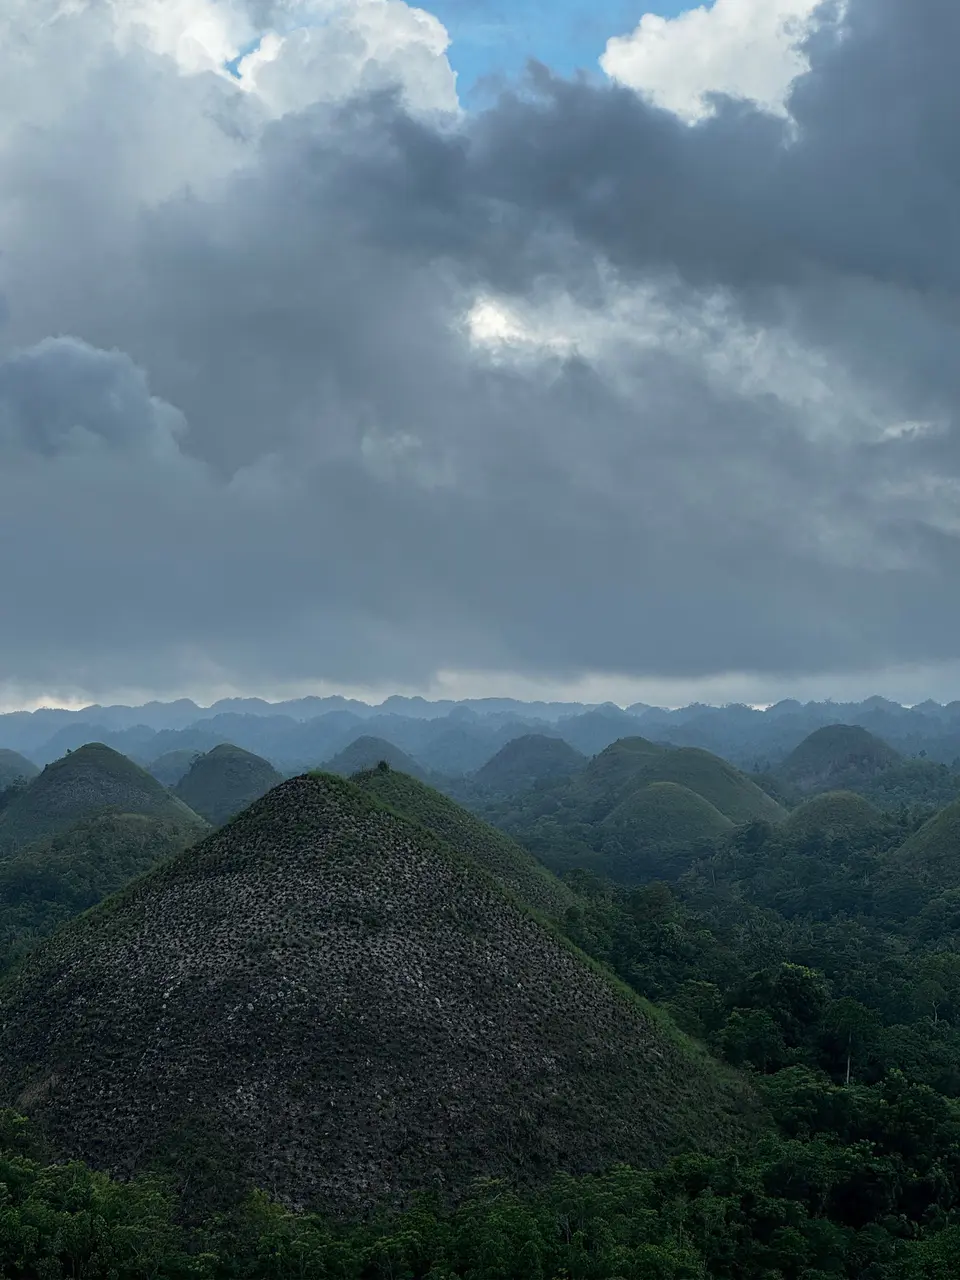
{"x":749,"y":49}
{"x":328,"y":380}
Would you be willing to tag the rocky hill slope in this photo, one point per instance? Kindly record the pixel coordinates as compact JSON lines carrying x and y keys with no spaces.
{"x":326,"y":1000}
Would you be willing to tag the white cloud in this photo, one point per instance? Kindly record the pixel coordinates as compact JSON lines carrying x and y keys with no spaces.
{"x":331,"y":50}
{"x":743,"y":48}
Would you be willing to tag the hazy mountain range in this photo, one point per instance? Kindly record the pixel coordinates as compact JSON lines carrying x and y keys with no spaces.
{"x":457,"y":738}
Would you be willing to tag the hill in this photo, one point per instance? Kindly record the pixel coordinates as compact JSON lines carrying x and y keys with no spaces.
{"x":171,"y":766}
{"x":53,"y":881}
{"x":326,"y":1000}
{"x":931,"y":855}
{"x":13,"y":767}
{"x":832,"y":814}
{"x":527,"y":760}
{"x":838,"y":756}
{"x":495,"y":852}
{"x":661,"y":816}
{"x":226,"y":781}
{"x":719,"y":783}
{"x":88,"y":780}
{"x":366,"y":753}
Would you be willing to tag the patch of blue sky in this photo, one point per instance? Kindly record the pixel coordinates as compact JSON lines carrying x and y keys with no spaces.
{"x":493,"y":40}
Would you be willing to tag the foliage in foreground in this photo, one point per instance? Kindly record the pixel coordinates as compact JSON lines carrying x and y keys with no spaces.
{"x":863,"y":1183}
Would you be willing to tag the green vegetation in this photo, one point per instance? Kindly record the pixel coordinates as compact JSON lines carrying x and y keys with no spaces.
{"x":366,"y":753}
{"x":225,"y":781}
{"x":834,"y":813}
{"x":489,"y":848}
{"x":526,"y":761}
{"x":572,"y":822}
{"x":86,"y":781}
{"x":175,"y":1026}
{"x":653,"y":822}
{"x":15,"y":768}
{"x":55,"y":880}
{"x":932,"y":854}
{"x":839,"y":756}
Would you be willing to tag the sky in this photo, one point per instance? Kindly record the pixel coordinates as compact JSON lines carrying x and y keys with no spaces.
{"x":341,"y":349}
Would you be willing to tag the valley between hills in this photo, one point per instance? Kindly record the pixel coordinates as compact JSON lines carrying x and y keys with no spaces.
{"x":519,"y":992}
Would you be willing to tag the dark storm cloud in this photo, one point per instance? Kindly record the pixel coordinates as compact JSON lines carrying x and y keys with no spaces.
{"x":301,"y":467}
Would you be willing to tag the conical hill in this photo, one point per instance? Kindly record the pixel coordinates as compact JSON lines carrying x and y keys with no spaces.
{"x":495,"y":852}
{"x":325,"y":1000}
{"x":366,"y":752}
{"x":525,"y":761}
{"x":84,"y":782}
{"x":225,"y":781}
{"x":14,"y":767}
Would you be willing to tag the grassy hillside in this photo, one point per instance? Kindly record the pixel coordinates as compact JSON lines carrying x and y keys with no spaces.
{"x":328,"y":1001}
{"x":226,"y":781}
{"x":664,"y":814}
{"x":366,"y":753}
{"x":88,"y":780}
{"x":502,"y":857}
{"x":719,"y":783}
{"x":528,"y":760}
{"x":53,"y":881}
{"x":169,"y":768}
{"x":566,"y":824}
{"x":839,"y":756}
{"x":13,"y":767}
{"x":834,"y":813}
{"x":932,"y":854}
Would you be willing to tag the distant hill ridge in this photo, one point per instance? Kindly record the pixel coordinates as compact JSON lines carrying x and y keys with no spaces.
{"x":91,"y":779}
{"x":226,"y":781}
{"x":329,"y":1001}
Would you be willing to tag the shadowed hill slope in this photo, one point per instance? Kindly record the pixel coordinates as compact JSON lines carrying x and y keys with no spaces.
{"x":525,"y":761}
{"x":13,"y":767}
{"x":366,"y":753}
{"x":495,"y":852}
{"x":51,"y":882}
{"x":86,"y":781}
{"x":226,"y":781}
{"x":327,"y":1001}
{"x":833,"y":813}
{"x":836,"y":757}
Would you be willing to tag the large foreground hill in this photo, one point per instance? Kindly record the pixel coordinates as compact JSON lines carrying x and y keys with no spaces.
{"x":328,"y":1001}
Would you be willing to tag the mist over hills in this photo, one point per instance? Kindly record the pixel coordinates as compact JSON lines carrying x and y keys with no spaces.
{"x":458,"y":738}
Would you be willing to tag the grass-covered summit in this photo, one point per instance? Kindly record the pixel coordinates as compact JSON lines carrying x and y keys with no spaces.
{"x":489,"y":848}
{"x":833,"y":814}
{"x":226,"y":781}
{"x":328,"y":1001}
{"x":525,"y":761}
{"x":838,"y":756}
{"x":82,"y":783}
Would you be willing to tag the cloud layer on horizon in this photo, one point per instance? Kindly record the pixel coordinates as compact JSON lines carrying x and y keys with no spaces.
{"x":310,"y":375}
